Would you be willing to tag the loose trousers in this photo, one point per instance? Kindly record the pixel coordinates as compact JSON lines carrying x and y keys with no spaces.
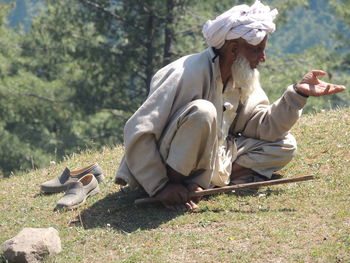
{"x":189,"y":146}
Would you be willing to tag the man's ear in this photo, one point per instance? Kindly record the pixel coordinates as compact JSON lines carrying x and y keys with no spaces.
{"x":229,"y":49}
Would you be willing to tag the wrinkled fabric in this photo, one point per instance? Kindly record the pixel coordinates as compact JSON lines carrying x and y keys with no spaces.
{"x":230,"y":97}
{"x":189,"y":142}
{"x":250,"y":23}
{"x":185,"y":80}
{"x":189,"y":146}
{"x":265,"y":157}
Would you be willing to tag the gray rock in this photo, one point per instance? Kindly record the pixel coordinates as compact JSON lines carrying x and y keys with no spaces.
{"x":32,"y":245}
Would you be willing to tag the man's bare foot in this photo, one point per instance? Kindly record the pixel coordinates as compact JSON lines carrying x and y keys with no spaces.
{"x":195,"y":200}
{"x":243,"y":175}
{"x":189,"y":205}
{"x":175,"y":194}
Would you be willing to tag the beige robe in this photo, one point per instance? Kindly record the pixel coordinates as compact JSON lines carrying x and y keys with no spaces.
{"x":187,"y":79}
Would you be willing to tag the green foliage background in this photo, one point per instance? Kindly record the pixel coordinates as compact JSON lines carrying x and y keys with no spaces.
{"x":72,"y":72}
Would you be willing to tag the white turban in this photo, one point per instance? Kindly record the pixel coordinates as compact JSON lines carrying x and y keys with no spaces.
{"x":250,"y":23}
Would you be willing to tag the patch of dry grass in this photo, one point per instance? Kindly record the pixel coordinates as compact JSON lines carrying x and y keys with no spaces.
{"x":304,"y":222}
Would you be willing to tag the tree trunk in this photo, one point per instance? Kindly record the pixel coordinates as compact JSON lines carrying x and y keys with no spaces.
{"x":150,"y":49}
{"x":168,"y":32}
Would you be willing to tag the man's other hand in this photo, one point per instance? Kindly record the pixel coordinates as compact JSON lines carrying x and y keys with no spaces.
{"x":310,"y":85}
{"x":195,"y":188}
{"x":175,"y":197}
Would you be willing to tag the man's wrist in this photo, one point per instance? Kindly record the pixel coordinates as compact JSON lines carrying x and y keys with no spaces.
{"x":299,"y":92}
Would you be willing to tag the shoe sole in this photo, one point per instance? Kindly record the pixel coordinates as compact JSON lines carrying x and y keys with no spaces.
{"x":91,"y":193}
{"x":53,"y":190}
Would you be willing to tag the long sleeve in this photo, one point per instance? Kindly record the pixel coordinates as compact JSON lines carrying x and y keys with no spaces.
{"x":171,"y":88}
{"x":270,"y":122}
{"x":141,"y":133}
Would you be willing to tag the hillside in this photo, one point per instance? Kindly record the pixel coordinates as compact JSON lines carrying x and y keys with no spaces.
{"x":77,"y":72}
{"x":305,"y":222}
{"x":305,"y":27}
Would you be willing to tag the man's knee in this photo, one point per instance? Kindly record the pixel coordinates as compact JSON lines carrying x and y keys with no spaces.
{"x":203,"y":110}
{"x":288,"y":150}
{"x":290,"y":145}
{"x":266,"y":157}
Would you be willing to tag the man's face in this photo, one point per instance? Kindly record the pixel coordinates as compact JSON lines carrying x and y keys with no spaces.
{"x":254,"y":54}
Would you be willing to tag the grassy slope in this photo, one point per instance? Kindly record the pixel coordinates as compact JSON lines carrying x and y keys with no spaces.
{"x":305,"y":222}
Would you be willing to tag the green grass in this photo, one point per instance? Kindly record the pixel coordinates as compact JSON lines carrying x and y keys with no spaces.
{"x":301,"y":222}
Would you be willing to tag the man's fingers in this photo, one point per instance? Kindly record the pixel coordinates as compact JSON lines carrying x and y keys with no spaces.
{"x":318,"y":72}
{"x":188,"y":206}
{"x":195,"y":188}
{"x":327,"y":89}
{"x":333,"y":89}
{"x":176,"y":197}
{"x":193,"y":205}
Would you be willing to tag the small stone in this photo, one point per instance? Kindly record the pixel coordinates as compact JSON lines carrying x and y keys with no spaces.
{"x":32,"y":245}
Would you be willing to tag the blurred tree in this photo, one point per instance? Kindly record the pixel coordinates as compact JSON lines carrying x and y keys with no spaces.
{"x":342,"y":9}
{"x":279,"y":72}
{"x":85,"y":66}
{"x":19,"y":125}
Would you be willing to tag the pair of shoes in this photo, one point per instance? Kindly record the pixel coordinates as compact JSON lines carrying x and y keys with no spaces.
{"x":78,"y":186}
{"x":78,"y":192}
{"x":60,"y":184}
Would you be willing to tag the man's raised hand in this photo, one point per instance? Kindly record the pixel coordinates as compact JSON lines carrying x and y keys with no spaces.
{"x":310,"y":85}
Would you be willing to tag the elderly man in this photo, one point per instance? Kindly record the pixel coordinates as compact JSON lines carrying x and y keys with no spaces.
{"x":207,"y":122}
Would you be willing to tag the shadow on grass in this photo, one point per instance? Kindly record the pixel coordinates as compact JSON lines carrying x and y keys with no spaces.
{"x":251,"y":211}
{"x":118,"y":211}
{"x":255,"y":191}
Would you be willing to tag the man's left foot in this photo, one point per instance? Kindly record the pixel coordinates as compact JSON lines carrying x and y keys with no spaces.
{"x":190,"y":205}
{"x":243,"y":175}
{"x":248,"y":178}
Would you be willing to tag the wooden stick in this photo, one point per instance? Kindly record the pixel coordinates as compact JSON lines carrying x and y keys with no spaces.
{"x":231,"y":188}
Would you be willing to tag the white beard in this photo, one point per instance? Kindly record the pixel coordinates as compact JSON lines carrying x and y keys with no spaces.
{"x":244,"y":77}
